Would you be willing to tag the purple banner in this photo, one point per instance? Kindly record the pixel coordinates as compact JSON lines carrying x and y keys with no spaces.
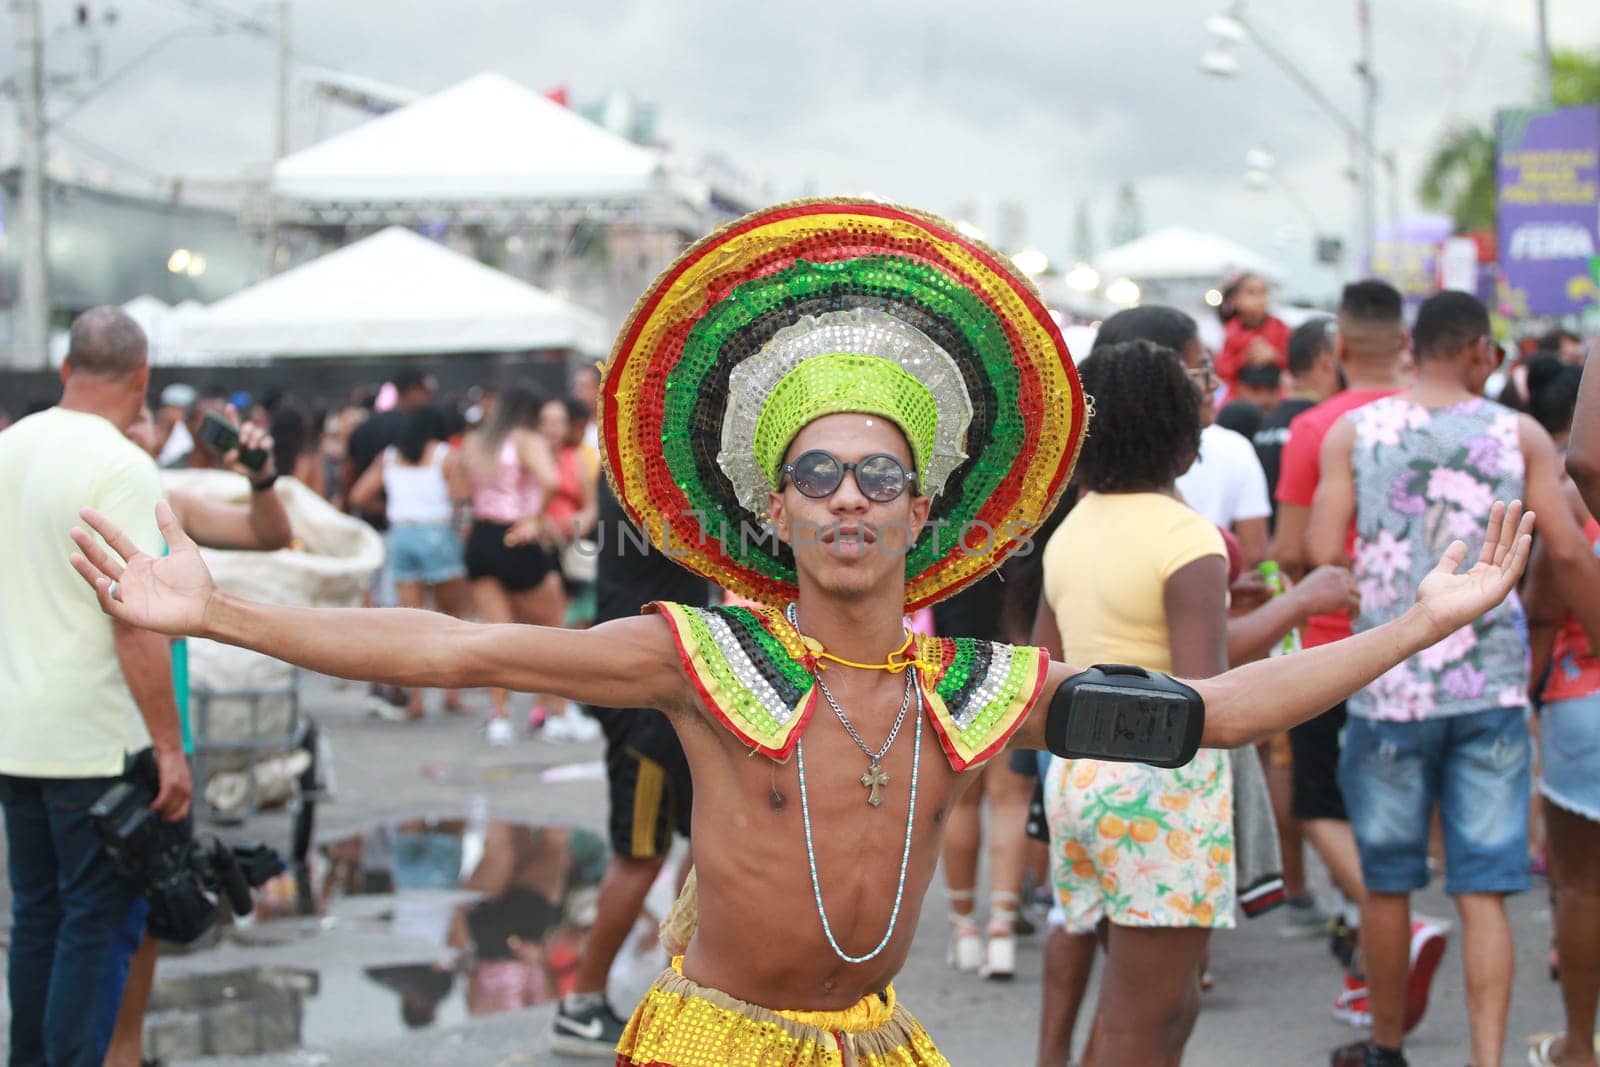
{"x":1547,"y":182}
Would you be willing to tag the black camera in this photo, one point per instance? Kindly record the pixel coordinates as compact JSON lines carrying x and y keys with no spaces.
{"x":222,"y":437}
{"x":183,"y":879}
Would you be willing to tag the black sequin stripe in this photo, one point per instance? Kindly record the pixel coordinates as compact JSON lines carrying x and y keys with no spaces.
{"x":982,"y":654}
{"x":742,"y":623}
{"x":712,"y":399}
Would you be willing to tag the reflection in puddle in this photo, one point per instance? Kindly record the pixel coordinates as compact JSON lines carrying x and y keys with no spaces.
{"x":235,"y":1013}
{"x":513,"y":943}
{"x":419,"y":923}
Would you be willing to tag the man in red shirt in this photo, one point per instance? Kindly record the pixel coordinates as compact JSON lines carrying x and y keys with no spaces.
{"x":1371,"y":344}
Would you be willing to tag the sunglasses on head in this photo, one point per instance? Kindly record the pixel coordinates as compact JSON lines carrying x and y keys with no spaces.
{"x":818,"y":474}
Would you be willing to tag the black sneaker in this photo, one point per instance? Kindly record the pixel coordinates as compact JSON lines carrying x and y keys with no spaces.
{"x":590,"y":1032}
{"x":1342,"y":942}
{"x":1366,"y":1054}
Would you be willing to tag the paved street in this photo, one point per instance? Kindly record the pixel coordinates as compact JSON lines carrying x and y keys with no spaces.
{"x":1270,"y":1005}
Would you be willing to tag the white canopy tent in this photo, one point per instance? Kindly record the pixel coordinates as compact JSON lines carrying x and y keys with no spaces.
{"x":485,"y":141}
{"x":394,"y":293}
{"x":158,"y":320}
{"x":1178,"y":253}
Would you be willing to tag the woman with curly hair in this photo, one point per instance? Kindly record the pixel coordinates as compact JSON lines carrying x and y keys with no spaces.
{"x":1134,"y":576}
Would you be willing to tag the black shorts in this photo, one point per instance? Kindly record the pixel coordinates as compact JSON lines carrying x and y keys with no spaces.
{"x":650,"y":790}
{"x":1315,"y":776}
{"x":1024,"y":761}
{"x":517,"y":569}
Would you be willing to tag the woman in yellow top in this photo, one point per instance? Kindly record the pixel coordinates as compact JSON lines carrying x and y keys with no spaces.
{"x":1134,"y":576}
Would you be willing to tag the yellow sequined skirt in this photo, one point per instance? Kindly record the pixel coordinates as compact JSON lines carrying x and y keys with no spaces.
{"x":680,"y":1023}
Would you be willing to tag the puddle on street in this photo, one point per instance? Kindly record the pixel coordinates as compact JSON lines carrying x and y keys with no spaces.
{"x":420,"y":923}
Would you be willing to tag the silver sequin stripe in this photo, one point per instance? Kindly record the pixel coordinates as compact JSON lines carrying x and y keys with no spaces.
{"x":1000,"y":657}
{"x":745,"y":670}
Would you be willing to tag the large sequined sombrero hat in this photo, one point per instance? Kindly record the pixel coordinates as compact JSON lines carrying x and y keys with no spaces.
{"x":821,"y":306}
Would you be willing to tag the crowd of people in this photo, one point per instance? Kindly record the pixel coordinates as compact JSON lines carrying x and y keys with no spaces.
{"x":487,"y":503}
{"x":1290,"y":493}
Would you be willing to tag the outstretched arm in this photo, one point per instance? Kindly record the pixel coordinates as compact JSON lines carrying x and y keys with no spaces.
{"x":626,"y":663}
{"x":1260,"y":699}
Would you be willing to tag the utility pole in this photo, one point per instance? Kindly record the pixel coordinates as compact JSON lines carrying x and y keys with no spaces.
{"x":285,"y":83}
{"x":1542,"y":24}
{"x":1369,"y":124}
{"x":30,"y":315}
{"x":285,"y":59}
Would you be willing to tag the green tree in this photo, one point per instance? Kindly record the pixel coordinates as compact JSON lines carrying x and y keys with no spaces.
{"x":1458,"y":177}
{"x":1575,"y":77}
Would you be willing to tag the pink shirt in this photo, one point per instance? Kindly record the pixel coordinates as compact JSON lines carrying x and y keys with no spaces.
{"x":512,"y":493}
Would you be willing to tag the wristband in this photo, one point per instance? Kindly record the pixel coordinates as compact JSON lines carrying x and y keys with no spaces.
{"x":1114,"y":712}
{"x":263,"y":485}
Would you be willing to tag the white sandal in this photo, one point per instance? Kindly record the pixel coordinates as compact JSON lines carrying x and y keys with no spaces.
{"x":1000,"y":954}
{"x":966,"y":946}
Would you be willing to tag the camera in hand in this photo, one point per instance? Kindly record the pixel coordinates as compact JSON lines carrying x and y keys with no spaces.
{"x":221,"y":436}
{"x":184,"y":879}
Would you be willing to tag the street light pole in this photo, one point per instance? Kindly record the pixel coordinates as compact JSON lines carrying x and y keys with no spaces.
{"x":1542,"y":23}
{"x":1364,"y":149}
{"x":1369,"y":124}
{"x":30,"y":315}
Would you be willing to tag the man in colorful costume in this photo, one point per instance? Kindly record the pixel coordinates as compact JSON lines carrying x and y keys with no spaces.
{"x":844,"y":410}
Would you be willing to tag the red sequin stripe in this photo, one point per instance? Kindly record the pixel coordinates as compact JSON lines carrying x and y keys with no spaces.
{"x":1029,"y":383}
{"x":692,"y":669}
{"x":824,"y":249}
{"x":1000,"y":740}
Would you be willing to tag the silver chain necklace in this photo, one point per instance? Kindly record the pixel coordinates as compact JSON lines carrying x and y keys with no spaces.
{"x":905,"y":855}
{"x":875,"y":777}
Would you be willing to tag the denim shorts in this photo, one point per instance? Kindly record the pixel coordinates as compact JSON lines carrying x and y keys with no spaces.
{"x":1569,"y":750}
{"x":425,"y":552}
{"x":1477,"y":767}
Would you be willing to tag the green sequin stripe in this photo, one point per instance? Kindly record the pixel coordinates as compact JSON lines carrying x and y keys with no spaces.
{"x":954,"y":678}
{"x":778,"y":658}
{"x":896,"y":277}
{"x":712,"y":658}
{"x":1024,"y":668}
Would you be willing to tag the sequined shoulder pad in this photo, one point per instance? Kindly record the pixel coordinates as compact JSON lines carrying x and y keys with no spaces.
{"x":746,"y":665}
{"x":978,"y":693}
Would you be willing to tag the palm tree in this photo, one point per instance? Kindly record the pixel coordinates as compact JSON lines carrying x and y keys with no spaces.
{"x":1458,"y":177}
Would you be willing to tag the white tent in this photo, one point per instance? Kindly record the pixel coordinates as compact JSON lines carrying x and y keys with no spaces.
{"x":394,"y":293}
{"x":1177,"y":253}
{"x":155,"y":317}
{"x":486,"y":139}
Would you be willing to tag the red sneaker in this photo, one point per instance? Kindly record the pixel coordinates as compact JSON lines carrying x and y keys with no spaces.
{"x":1351,"y":1005}
{"x":1427,"y":949}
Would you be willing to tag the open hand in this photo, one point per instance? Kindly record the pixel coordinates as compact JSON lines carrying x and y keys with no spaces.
{"x":168,"y":595}
{"x":1451,"y":600}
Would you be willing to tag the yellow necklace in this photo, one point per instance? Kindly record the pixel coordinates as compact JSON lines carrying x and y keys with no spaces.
{"x":898,"y":660}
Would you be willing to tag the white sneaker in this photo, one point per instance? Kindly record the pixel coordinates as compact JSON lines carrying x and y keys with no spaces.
{"x":501,"y":732}
{"x":572,"y":726}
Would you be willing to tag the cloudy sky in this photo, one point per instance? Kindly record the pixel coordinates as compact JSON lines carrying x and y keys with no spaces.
{"x":937,"y":104}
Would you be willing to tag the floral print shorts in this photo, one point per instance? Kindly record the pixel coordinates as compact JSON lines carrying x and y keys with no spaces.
{"x":1142,"y":846}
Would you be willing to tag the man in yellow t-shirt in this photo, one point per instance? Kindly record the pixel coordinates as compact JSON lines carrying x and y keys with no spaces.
{"x":78,"y":692}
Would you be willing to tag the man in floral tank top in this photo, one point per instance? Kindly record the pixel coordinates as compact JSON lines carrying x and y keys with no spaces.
{"x":1448,"y":726}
